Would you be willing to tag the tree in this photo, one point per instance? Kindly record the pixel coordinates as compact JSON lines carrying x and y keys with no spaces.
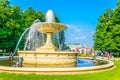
{"x":13,"y":21}
{"x":4,"y":32}
{"x":115,"y":30}
{"x":100,"y":36}
{"x":107,"y":35}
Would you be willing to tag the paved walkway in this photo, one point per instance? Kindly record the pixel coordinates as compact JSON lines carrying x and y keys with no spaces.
{"x":107,"y":58}
{"x":98,"y":57}
{"x":6,"y":57}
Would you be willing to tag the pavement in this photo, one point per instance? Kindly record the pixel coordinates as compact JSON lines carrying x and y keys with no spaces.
{"x":108,"y":58}
{"x":6,"y":57}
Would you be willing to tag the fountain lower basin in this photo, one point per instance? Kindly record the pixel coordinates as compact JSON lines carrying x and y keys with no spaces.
{"x":50,"y":71}
{"x":49,"y":59}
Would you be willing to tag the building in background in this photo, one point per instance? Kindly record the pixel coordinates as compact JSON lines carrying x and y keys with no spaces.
{"x":80,"y":48}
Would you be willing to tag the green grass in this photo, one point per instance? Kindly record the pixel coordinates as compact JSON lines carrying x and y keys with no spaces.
{"x":106,"y":75}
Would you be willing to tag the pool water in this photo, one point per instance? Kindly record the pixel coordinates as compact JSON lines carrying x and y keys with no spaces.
{"x":84,"y":63}
{"x":80,"y":63}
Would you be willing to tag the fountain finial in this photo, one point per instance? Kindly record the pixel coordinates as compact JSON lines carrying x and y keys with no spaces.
{"x":49,"y":16}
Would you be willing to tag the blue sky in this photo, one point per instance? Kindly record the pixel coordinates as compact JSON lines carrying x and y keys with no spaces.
{"x":79,"y":15}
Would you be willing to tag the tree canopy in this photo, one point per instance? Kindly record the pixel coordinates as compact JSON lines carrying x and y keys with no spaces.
{"x":107,"y":34}
{"x":13,"y":21}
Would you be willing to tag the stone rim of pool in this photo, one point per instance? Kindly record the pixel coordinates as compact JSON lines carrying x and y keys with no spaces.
{"x":56,"y":71}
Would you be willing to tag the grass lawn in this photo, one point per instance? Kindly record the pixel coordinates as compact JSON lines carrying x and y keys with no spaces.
{"x":106,"y":75}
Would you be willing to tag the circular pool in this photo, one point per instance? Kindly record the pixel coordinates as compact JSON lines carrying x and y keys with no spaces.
{"x":83,"y":66}
{"x":80,"y":63}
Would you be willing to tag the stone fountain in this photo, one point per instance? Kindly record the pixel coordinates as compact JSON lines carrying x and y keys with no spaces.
{"x":41,"y":59}
{"x":48,"y":55}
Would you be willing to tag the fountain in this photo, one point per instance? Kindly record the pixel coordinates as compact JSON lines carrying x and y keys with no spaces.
{"x":48,"y":54}
{"x":43,"y":58}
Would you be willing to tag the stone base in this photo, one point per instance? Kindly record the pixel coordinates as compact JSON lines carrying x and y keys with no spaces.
{"x":46,"y":49}
{"x":49,"y":65}
{"x":49,"y":59}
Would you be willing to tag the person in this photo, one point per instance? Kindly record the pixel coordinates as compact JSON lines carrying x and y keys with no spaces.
{"x":10,"y":56}
{"x":111,"y":55}
{"x":93,"y":54}
{"x":20,"y":62}
{"x":107,"y":54}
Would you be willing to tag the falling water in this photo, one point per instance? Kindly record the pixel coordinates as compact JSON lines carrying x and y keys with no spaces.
{"x":58,"y":40}
{"x":34,"y":39}
{"x":20,"y":39}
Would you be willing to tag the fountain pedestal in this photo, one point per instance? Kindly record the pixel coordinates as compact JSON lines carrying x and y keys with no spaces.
{"x":48,"y":45}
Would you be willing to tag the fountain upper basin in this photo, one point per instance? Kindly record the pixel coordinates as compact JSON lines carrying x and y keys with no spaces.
{"x":50,"y":27}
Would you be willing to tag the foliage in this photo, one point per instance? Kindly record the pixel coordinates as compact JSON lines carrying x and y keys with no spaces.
{"x":13,"y":21}
{"x":107,"y":35}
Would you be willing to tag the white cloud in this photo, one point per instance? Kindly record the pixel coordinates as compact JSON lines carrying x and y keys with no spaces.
{"x":83,"y":37}
{"x":74,"y":34}
{"x":81,"y":33}
{"x":74,"y":27}
{"x":77,"y":38}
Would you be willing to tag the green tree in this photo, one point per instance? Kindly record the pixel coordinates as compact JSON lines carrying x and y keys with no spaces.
{"x":4,"y":32}
{"x":107,"y":35}
{"x":115,"y":30}
{"x":13,"y":21}
{"x":100,"y":36}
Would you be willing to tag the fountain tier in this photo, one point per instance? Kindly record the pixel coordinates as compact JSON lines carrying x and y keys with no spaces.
{"x":47,"y":54}
{"x":49,"y":59}
{"x":49,"y":28}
